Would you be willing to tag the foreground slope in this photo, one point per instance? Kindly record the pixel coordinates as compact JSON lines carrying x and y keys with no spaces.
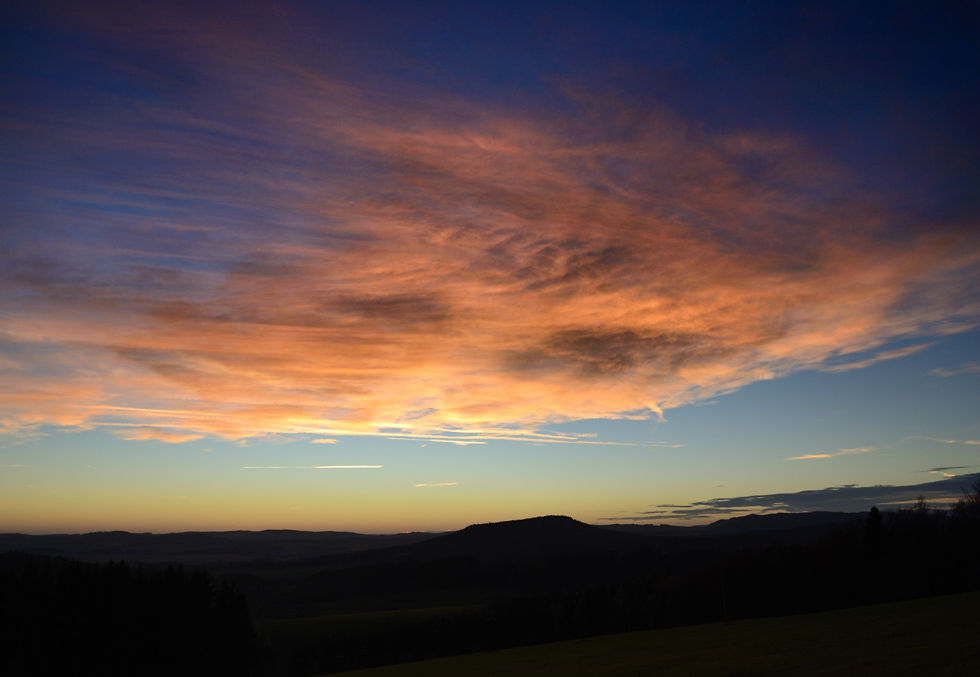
{"x":934,"y":636}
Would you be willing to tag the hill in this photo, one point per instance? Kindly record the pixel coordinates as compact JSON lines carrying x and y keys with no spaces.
{"x":525,"y":539}
{"x":745,"y":531}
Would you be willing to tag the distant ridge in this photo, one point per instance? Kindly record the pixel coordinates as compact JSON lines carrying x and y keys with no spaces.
{"x":195,"y":547}
{"x":780,"y":520}
{"x":745,"y":531}
{"x":776,"y":521}
{"x":529,"y":538}
{"x":511,"y":540}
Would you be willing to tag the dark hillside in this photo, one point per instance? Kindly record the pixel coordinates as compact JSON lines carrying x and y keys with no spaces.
{"x":674,"y":580}
{"x":781,"y":521}
{"x":525,"y":539}
{"x":741,"y":532}
{"x":491,"y":543}
{"x":193,"y":547}
{"x":470,"y":566}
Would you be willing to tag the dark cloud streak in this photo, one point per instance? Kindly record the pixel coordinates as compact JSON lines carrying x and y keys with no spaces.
{"x":845,"y":498}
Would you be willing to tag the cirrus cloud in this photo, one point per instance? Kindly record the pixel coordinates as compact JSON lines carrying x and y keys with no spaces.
{"x":280,"y":249}
{"x":839,"y":452}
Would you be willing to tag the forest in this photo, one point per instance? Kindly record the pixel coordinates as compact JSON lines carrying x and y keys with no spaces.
{"x":67,"y":617}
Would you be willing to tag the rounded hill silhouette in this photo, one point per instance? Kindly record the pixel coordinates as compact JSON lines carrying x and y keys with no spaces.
{"x":525,"y":539}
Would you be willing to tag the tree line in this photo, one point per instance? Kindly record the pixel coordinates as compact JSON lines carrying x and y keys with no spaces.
{"x":63,"y":616}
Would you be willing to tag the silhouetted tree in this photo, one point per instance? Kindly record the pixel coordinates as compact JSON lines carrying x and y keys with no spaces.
{"x":64,"y":616}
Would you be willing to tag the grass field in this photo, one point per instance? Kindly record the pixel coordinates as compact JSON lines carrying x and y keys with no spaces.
{"x":935,"y":636}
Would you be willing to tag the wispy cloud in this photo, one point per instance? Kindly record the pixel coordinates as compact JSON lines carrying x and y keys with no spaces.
{"x":845,"y":498}
{"x":965,"y":368}
{"x":439,"y":484}
{"x":876,"y":358}
{"x":944,"y":471}
{"x":940,"y":440}
{"x":283,"y":250}
{"x":839,"y":452}
{"x":308,"y":467}
{"x":324,"y":440}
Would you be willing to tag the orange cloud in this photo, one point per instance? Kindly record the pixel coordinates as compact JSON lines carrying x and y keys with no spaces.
{"x":332,"y":260}
{"x":148,"y":433}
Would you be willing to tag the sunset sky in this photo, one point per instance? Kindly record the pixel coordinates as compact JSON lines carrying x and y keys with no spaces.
{"x":414,"y":265}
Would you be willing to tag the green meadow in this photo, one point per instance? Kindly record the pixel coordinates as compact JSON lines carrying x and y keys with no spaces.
{"x":934,"y":636}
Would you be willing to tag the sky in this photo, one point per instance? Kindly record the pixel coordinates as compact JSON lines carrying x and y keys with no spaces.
{"x":409,"y":266}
